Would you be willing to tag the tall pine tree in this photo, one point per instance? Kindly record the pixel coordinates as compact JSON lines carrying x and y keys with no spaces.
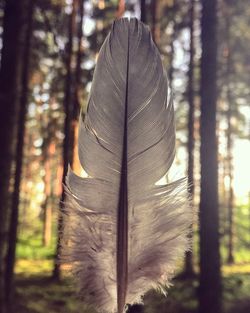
{"x":12,"y":238}
{"x":210,"y":275}
{"x":9,"y":96}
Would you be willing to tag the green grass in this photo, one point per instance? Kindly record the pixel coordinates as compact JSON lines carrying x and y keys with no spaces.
{"x":37,"y":293}
{"x":241,"y":237}
{"x":41,"y":295}
{"x":30,"y":268}
{"x":30,"y":244}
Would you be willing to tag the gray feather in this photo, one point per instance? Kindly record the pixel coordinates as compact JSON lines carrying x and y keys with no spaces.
{"x":124,"y":233}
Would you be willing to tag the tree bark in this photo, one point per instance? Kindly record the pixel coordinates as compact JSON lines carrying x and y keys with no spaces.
{"x":230,"y":257}
{"x":154,"y":20}
{"x":136,"y":308}
{"x":47,"y":223}
{"x":11,"y":253}
{"x":143,"y":11}
{"x":172,"y":51}
{"x":47,"y":205}
{"x":9,"y":96}
{"x":121,"y":8}
{"x":210,"y":274}
{"x":230,"y":204}
{"x":189,"y":270}
{"x":77,"y":85}
{"x":77,"y":90}
{"x":67,"y":143}
{"x":48,"y":152}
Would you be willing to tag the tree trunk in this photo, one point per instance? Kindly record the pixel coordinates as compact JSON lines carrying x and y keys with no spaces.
{"x":210,"y":274}
{"x":121,"y":8}
{"x":172,"y":51}
{"x":9,"y":94}
{"x":47,"y":205}
{"x":143,"y":11}
{"x":155,"y":14}
{"x":47,"y":222}
{"x":230,"y":257}
{"x":77,"y":91}
{"x":68,"y":107}
{"x":230,"y":204}
{"x":137,"y":308}
{"x":189,"y":270}
{"x":77,"y":86}
{"x":10,"y":258}
{"x":154,"y":19}
{"x":48,"y":152}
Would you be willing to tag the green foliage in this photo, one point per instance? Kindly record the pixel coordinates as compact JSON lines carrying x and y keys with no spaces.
{"x":41,"y":295}
{"x":241,"y":235}
{"x":37,"y":293}
{"x":30,"y":244}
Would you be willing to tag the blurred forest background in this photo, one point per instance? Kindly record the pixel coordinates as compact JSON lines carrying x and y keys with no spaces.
{"x":48,"y":54}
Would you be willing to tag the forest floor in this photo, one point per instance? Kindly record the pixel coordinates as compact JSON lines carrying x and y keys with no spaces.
{"x":37,"y":293}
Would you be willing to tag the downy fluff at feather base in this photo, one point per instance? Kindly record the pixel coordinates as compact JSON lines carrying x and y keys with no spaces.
{"x":123,"y":233}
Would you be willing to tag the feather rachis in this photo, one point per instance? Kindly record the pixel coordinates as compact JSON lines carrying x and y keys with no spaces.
{"x":125,"y":232}
{"x":122,"y":219}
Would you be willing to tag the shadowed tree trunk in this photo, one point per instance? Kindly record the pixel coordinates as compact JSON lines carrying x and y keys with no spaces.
{"x":10,"y":258}
{"x":137,"y":308}
{"x":172,"y":50}
{"x":48,"y":153}
{"x":9,"y":96}
{"x":188,"y":270}
{"x":47,"y":204}
{"x":68,"y":139}
{"x":210,"y":275}
{"x":230,"y":256}
{"x":230,"y":202}
{"x":153,"y":17}
{"x":77,"y":89}
{"x":143,"y":11}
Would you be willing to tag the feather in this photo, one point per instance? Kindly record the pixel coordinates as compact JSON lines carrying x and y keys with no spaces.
{"x":124,"y":232}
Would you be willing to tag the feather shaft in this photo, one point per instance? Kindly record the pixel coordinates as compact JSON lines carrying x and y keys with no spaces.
{"x":122,"y":217}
